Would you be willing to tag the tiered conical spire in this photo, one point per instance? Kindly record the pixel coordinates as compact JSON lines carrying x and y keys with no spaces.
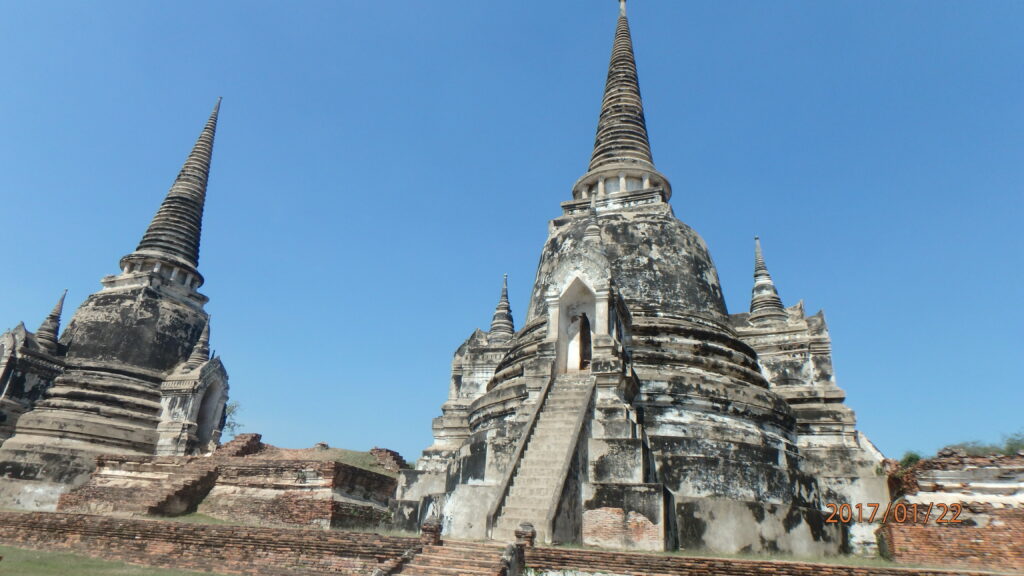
{"x":502,"y":325}
{"x":201,"y":351}
{"x":48,"y":331}
{"x":765,"y":304}
{"x":175,"y":230}
{"x":622,"y":130}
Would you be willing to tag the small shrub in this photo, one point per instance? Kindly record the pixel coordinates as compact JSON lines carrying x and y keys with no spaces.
{"x":909,"y":459}
{"x":1013,"y":443}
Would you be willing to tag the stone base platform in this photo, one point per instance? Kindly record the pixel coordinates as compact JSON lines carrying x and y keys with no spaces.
{"x":243,"y":481}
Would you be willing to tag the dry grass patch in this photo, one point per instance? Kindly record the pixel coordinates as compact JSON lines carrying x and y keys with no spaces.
{"x":36,"y":563}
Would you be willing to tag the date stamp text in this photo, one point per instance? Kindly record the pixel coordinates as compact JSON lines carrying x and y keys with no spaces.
{"x":899,"y":512}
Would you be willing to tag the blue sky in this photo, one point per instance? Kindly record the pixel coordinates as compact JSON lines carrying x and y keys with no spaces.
{"x":380,"y":165}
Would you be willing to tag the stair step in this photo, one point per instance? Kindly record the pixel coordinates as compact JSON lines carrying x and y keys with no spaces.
{"x":534,"y":482}
{"x":462,"y":559}
{"x":534,"y":510}
{"x":412,"y":570}
{"x":468,"y":546}
{"x":546,"y":455}
{"x":518,"y":492}
{"x":543,"y":460}
{"x":455,"y":558}
{"x":541,"y":464}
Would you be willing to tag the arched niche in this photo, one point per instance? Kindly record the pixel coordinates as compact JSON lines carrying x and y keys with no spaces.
{"x":210,"y":414}
{"x":577,"y":317}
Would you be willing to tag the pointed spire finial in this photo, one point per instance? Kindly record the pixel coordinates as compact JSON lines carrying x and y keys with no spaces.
{"x":201,"y":351}
{"x":621,"y":161}
{"x":175,"y":231}
{"x":765,"y":304}
{"x":622,"y":129}
{"x":49,"y":330}
{"x":502,"y":325}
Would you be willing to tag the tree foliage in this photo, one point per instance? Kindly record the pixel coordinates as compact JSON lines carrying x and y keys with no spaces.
{"x":231,"y":423}
{"x":1012,"y":444}
{"x":909,"y":459}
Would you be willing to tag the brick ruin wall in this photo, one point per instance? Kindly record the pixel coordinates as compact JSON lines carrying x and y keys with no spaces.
{"x":915,"y":479}
{"x":589,"y":561}
{"x":389,"y":459}
{"x":230,"y":549}
{"x":324,"y":494}
{"x":241,"y":482}
{"x":990,"y":531}
{"x":998,"y":545}
{"x":281,"y":551}
{"x":273,"y":493}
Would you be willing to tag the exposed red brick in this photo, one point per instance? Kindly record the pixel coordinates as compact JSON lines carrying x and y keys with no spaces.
{"x":997,"y":545}
{"x":228,"y":549}
{"x":661,"y":565}
{"x":614,"y":528}
{"x":239,"y":483}
{"x":389,"y":459}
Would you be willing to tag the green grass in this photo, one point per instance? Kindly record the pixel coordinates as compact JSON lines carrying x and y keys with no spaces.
{"x":35,"y":563}
{"x":363,"y":460}
{"x":354,"y":458}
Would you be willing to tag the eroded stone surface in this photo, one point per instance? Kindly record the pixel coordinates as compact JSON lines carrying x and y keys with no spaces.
{"x":243,"y":481}
{"x":131,"y":374}
{"x":684,"y":436}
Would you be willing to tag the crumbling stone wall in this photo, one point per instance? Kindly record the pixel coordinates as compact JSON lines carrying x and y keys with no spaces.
{"x":389,"y":459}
{"x":244,"y":481}
{"x":983,"y":501}
{"x":231,"y":549}
{"x":953,"y":471}
{"x":299,"y":492}
{"x":272,"y":493}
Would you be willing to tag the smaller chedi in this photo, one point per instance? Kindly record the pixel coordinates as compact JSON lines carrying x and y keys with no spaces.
{"x":132,"y":373}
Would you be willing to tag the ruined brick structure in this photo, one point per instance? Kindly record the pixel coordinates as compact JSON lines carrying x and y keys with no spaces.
{"x":228,"y":549}
{"x":243,"y":481}
{"x":277,"y":552}
{"x":630,"y":409}
{"x":388,"y":459}
{"x":131,"y":374}
{"x":983,"y":529}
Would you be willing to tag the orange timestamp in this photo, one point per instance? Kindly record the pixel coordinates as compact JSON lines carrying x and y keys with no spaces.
{"x":899,"y":512}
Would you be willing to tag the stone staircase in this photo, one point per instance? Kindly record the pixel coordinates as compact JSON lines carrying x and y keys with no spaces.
{"x":156,"y":490}
{"x":542,"y":464}
{"x":153,"y":485}
{"x":180,"y":492}
{"x":455,"y":558}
